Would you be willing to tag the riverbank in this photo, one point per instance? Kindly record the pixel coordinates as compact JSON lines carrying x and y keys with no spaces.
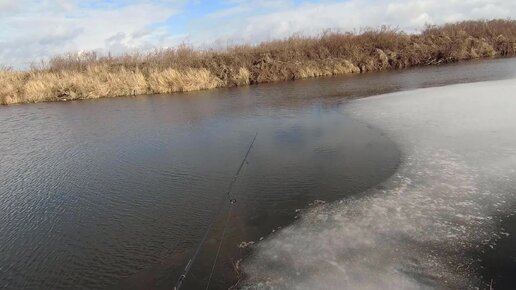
{"x":90,"y":76}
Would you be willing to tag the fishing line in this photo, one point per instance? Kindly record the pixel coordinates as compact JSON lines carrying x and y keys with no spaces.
{"x":220,"y":245}
{"x":210,"y":226}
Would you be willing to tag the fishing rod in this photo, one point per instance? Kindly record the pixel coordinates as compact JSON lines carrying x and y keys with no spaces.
{"x":210,"y":226}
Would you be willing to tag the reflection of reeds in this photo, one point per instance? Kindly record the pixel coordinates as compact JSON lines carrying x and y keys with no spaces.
{"x":89,"y":75}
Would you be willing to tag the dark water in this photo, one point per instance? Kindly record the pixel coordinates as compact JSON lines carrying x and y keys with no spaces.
{"x":116,"y":193}
{"x":498,"y":264}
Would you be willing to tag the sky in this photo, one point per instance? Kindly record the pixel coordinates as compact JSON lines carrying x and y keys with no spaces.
{"x":33,"y":30}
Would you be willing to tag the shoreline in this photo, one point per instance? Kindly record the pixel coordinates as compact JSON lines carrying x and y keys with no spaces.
{"x":184,"y":69}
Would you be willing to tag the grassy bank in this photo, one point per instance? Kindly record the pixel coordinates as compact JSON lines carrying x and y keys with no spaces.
{"x":184,"y":69}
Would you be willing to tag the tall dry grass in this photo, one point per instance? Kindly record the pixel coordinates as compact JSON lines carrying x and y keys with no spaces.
{"x":91,"y":75}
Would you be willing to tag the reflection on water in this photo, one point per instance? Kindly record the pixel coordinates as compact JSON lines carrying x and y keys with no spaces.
{"x":118,"y":191}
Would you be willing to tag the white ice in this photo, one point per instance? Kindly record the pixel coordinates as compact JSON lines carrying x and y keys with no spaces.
{"x":457,"y":177}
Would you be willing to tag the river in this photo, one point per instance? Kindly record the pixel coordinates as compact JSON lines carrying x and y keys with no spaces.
{"x":116,"y":193}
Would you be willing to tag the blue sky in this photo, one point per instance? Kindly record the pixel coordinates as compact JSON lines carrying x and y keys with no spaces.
{"x":31,"y":30}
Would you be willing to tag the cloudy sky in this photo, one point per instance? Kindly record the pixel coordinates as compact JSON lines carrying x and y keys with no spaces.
{"x":32,"y":30}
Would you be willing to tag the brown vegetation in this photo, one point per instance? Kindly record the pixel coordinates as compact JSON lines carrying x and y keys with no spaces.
{"x":185,"y":69}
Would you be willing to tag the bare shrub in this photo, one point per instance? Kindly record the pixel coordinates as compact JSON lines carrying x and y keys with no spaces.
{"x":91,"y":75}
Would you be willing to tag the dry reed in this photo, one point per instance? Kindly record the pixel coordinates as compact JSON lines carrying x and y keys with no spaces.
{"x":90,"y":75}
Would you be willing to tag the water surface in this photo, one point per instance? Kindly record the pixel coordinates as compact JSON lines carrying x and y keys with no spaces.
{"x":117,"y":192}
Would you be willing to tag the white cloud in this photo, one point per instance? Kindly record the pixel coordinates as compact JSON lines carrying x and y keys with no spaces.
{"x":31,"y":29}
{"x":409,"y":15}
{"x":52,"y":27}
